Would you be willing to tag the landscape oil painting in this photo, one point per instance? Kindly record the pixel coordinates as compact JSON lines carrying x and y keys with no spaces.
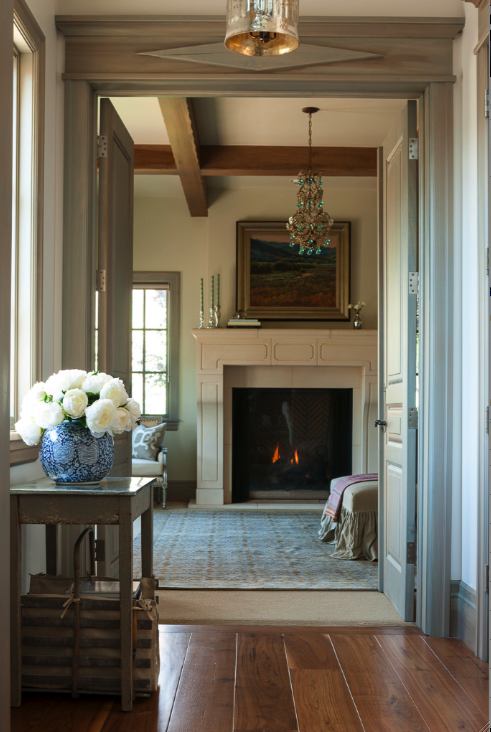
{"x":275,"y":282}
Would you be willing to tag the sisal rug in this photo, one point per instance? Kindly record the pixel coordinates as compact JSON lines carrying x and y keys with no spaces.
{"x":249,"y":550}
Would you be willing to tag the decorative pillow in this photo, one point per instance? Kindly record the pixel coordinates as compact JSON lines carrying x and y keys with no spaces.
{"x":147,"y":441}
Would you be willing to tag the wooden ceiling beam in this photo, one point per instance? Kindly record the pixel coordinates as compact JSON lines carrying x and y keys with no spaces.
{"x":180,"y":123}
{"x":256,"y":160}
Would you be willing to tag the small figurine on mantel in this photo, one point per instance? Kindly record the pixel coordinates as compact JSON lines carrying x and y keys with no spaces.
{"x":357,"y":322}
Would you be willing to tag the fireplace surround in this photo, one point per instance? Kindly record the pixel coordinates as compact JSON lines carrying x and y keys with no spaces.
{"x":228,"y":359}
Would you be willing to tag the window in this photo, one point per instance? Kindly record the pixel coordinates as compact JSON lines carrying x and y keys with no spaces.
{"x":155,"y":338}
{"x":27,"y":216}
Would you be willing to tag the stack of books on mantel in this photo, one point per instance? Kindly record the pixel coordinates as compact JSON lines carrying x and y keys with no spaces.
{"x":244,"y":323}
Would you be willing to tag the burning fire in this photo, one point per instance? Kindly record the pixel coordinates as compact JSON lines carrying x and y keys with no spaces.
{"x":277,"y":456}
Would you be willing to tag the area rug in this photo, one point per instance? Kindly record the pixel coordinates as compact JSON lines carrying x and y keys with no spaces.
{"x":249,"y":550}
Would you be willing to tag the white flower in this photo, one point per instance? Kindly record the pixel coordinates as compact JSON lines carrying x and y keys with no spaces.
{"x":100,"y":416}
{"x":94,"y":382}
{"x":36,"y":393}
{"x":75,"y":402}
{"x":134,"y":409}
{"x":121,"y":421}
{"x":58,"y":383}
{"x":29,"y":431}
{"x":115,"y":391}
{"x":64,"y":380}
{"x":78,"y":377}
{"x":47,"y":414}
{"x":33,"y":397}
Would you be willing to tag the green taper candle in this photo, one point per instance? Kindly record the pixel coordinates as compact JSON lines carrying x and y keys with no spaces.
{"x":212,"y":291}
{"x":218,"y":289}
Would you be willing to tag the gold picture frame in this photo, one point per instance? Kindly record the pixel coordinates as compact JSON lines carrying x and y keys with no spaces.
{"x":275,"y":283}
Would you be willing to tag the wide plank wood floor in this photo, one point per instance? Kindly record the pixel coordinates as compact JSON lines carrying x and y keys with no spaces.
{"x":248,"y":679}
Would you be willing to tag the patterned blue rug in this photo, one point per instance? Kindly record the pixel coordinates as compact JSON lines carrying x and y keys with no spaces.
{"x":249,"y":550}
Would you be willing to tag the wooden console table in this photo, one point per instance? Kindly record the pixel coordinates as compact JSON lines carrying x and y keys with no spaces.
{"x":116,"y":501}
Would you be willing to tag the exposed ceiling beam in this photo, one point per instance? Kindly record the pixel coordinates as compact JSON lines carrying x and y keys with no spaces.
{"x":231,"y":160}
{"x":180,"y":122}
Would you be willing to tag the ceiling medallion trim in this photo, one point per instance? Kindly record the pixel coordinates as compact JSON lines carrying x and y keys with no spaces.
{"x":215,"y":54}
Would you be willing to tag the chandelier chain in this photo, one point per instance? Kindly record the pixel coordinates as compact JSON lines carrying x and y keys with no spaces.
{"x":310,"y":142}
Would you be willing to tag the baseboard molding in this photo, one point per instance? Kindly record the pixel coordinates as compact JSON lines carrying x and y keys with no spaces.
{"x":463,"y":613}
{"x":181,"y":490}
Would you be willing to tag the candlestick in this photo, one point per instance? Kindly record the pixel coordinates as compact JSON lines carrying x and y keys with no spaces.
{"x":217,"y":316}
{"x":201,"y":298}
{"x":218,"y":290}
{"x":211,"y":319}
{"x":212,"y":302}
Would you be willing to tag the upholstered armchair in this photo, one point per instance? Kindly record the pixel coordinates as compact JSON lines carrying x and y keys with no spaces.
{"x":149,"y":456}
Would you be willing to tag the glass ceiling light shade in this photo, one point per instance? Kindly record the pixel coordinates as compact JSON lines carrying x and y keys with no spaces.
{"x":262,"y":27}
{"x":310,"y":225}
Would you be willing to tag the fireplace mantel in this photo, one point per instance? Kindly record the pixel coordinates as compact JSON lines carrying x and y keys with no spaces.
{"x":315,"y":358}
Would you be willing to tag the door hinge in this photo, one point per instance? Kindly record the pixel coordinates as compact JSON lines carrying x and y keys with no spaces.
{"x":412,"y":418}
{"x":411,"y":552}
{"x":413,"y":283}
{"x":486,"y":426}
{"x":100,"y":284}
{"x":100,"y":550}
{"x":486,"y":578}
{"x":413,"y":148}
{"x":101,"y":146}
{"x":486,"y":103}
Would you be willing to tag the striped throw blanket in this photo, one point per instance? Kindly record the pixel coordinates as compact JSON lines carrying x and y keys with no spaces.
{"x":335,"y":502}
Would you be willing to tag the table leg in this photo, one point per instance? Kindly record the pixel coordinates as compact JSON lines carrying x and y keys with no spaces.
{"x":147,"y":538}
{"x":126,"y":603}
{"x":15,"y":611}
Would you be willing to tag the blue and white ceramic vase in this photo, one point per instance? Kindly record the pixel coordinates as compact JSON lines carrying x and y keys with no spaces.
{"x":71,"y":454}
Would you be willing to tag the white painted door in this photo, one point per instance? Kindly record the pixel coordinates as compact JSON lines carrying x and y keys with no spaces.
{"x":115,"y":257}
{"x":398,"y":330}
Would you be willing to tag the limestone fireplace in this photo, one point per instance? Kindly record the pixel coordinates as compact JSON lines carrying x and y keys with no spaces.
{"x":277,"y":358}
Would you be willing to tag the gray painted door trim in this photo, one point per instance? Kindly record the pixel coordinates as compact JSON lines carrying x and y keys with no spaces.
{"x":436,"y":249}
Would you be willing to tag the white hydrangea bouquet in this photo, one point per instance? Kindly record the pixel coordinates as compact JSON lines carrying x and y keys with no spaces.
{"x":95,"y":399}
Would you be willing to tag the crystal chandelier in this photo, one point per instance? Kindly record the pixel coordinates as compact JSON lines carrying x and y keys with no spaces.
{"x":262,"y":27}
{"x":310,"y":225}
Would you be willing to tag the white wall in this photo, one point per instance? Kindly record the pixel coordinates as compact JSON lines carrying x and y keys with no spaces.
{"x":44,"y":12}
{"x":467,"y":306}
{"x":166,"y":238}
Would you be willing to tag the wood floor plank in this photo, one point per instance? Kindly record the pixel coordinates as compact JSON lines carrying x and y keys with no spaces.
{"x":381,"y":699}
{"x":310,"y":651}
{"x":471,"y":673}
{"x":27,"y":717}
{"x":263,"y":695}
{"x":442,"y":702}
{"x":322,"y":698}
{"x":274,"y":629}
{"x":205,"y":696}
{"x":153,"y":714}
{"x":56,"y":712}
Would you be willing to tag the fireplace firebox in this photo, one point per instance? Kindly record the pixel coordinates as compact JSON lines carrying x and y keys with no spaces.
{"x":288,"y":444}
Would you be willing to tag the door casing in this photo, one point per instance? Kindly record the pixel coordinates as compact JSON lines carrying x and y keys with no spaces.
{"x":435,"y":122}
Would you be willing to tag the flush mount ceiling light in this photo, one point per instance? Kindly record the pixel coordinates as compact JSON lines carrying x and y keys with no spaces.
{"x":310,"y":225}
{"x":262,"y":27}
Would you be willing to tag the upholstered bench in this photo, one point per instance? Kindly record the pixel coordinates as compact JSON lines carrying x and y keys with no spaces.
{"x":356,"y":534}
